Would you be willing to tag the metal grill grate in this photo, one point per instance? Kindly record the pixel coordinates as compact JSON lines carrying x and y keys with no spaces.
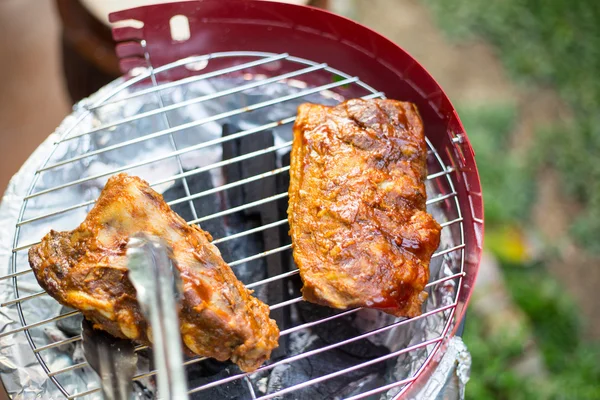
{"x":442,"y":196}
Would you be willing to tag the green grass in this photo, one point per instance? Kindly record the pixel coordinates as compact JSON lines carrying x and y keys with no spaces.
{"x":506,"y":177}
{"x":494,"y":355}
{"x":552,"y":43}
{"x":573,"y":365}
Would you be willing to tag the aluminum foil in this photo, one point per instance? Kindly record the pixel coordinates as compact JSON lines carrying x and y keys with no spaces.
{"x":21,"y":372}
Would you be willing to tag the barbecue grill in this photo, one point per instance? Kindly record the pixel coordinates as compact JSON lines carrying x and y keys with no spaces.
{"x":207,"y":119}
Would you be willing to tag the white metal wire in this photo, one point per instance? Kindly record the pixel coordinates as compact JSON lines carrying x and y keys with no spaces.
{"x":309,"y":353}
{"x":249,"y":258}
{"x":165,"y":117}
{"x":445,"y":174}
{"x":233,"y":236}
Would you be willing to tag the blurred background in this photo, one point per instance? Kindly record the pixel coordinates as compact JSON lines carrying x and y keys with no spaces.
{"x":524,"y":76}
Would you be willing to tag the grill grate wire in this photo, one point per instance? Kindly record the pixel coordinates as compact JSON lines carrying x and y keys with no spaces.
{"x":445,"y":175}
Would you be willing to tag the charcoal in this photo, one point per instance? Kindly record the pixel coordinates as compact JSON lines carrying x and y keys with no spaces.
{"x":207,"y":205}
{"x":282,"y":183}
{"x":70,"y":326}
{"x":267,"y":213}
{"x":257,"y":190}
{"x":232,"y":173}
{"x":339,"y":329}
{"x":141,"y":392}
{"x":359,"y":380}
{"x":240,"y":221}
{"x":210,"y":370}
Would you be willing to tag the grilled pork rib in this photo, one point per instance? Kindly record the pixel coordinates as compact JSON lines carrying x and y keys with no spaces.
{"x":360,"y":232}
{"x":86,"y":269}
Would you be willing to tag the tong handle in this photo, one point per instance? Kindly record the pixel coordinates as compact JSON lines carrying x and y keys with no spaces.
{"x":158,"y":286}
{"x":114,"y":360}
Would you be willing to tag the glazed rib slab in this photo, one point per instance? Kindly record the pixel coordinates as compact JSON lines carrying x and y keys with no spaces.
{"x":360,"y":232}
{"x":86,"y":269}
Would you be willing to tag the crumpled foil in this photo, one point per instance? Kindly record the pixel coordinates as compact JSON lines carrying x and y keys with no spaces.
{"x":20,"y":370}
{"x":451,"y":376}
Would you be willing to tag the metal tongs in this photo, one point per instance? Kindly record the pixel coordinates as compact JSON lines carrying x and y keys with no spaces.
{"x":159,"y":290}
{"x":113,"y":359}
